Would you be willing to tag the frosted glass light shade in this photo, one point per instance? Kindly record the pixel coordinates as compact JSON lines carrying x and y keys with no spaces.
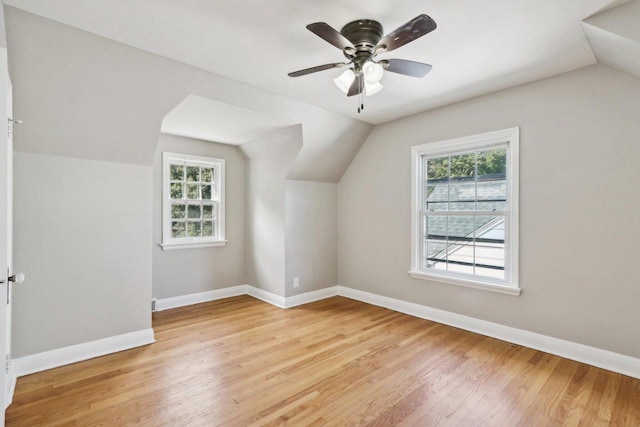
{"x":372,"y":89}
{"x":372,"y":72}
{"x":344,"y":81}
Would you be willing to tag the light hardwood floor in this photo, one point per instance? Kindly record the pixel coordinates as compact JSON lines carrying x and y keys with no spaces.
{"x":242,"y":362}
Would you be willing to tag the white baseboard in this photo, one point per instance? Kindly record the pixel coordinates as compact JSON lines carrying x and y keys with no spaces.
{"x":605,"y":359}
{"x":216,"y":294}
{"x":183,"y":300}
{"x":64,"y":356}
{"x":261,"y":294}
{"x":266,"y":296}
{"x":312,"y":296}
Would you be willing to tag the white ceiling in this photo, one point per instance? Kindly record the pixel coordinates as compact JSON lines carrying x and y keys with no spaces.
{"x":204,"y":118}
{"x":478,"y":47}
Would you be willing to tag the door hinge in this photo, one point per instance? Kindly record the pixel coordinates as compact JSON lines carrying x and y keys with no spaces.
{"x":10,"y":124}
{"x":7,"y":363}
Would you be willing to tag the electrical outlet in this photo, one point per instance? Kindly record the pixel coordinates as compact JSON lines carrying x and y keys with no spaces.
{"x":296,"y":282}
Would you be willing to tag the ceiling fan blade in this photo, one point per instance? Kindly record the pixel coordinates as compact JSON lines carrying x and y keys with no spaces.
{"x":408,"y":68}
{"x":330,"y":34}
{"x":316,"y":69}
{"x":417,"y":27}
{"x":357,"y":86}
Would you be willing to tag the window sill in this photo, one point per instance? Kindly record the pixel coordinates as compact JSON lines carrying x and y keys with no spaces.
{"x":192,"y":245}
{"x":474,"y":284}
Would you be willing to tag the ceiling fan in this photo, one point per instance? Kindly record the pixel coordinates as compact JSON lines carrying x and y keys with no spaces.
{"x":360,"y":42}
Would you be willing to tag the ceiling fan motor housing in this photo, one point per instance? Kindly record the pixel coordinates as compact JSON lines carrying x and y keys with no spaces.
{"x":364,"y":34}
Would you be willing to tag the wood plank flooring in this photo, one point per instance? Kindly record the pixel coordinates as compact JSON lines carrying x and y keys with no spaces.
{"x":337,"y":362}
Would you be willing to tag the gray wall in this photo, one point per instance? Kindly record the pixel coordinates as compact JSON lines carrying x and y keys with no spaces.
{"x":82,"y":236}
{"x":3,"y":33}
{"x":187,"y":271}
{"x":91,"y":97}
{"x":311,"y":235}
{"x":86,"y":97}
{"x":269,"y":161}
{"x":579,"y":199}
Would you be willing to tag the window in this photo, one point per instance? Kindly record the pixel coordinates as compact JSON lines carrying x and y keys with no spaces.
{"x":465,"y":211}
{"x":193,"y":201}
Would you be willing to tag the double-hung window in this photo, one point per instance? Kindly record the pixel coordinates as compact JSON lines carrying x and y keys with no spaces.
{"x":193,"y":201}
{"x":465,"y":211}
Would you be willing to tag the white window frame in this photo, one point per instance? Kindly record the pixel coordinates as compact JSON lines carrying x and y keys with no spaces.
{"x":169,"y":243}
{"x":508,"y":138}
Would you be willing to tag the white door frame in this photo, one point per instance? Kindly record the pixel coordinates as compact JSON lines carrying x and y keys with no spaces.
{"x":7,"y":375}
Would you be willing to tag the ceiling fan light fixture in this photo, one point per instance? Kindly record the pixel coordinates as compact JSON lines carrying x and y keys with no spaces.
{"x":345,"y":80}
{"x":372,"y":72}
{"x":360,"y":41}
{"x":372,"y":88}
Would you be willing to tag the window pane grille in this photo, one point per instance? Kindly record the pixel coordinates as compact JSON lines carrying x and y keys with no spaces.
{"x":177,"y":172}
{"x":178,"y":229}
{"x":207,"y":174}
{"x":193,"y":194}
{"x":465,"y":209}
{"x":178,"y":211}
{"x":436,"y":242}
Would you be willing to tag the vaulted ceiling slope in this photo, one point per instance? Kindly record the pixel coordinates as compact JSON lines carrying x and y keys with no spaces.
{"x":82,"y":95}
{"x":478,"y":47}
{"x":203,"y":118}
{"x":614,"y":36}
{"x":87,"y":96}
